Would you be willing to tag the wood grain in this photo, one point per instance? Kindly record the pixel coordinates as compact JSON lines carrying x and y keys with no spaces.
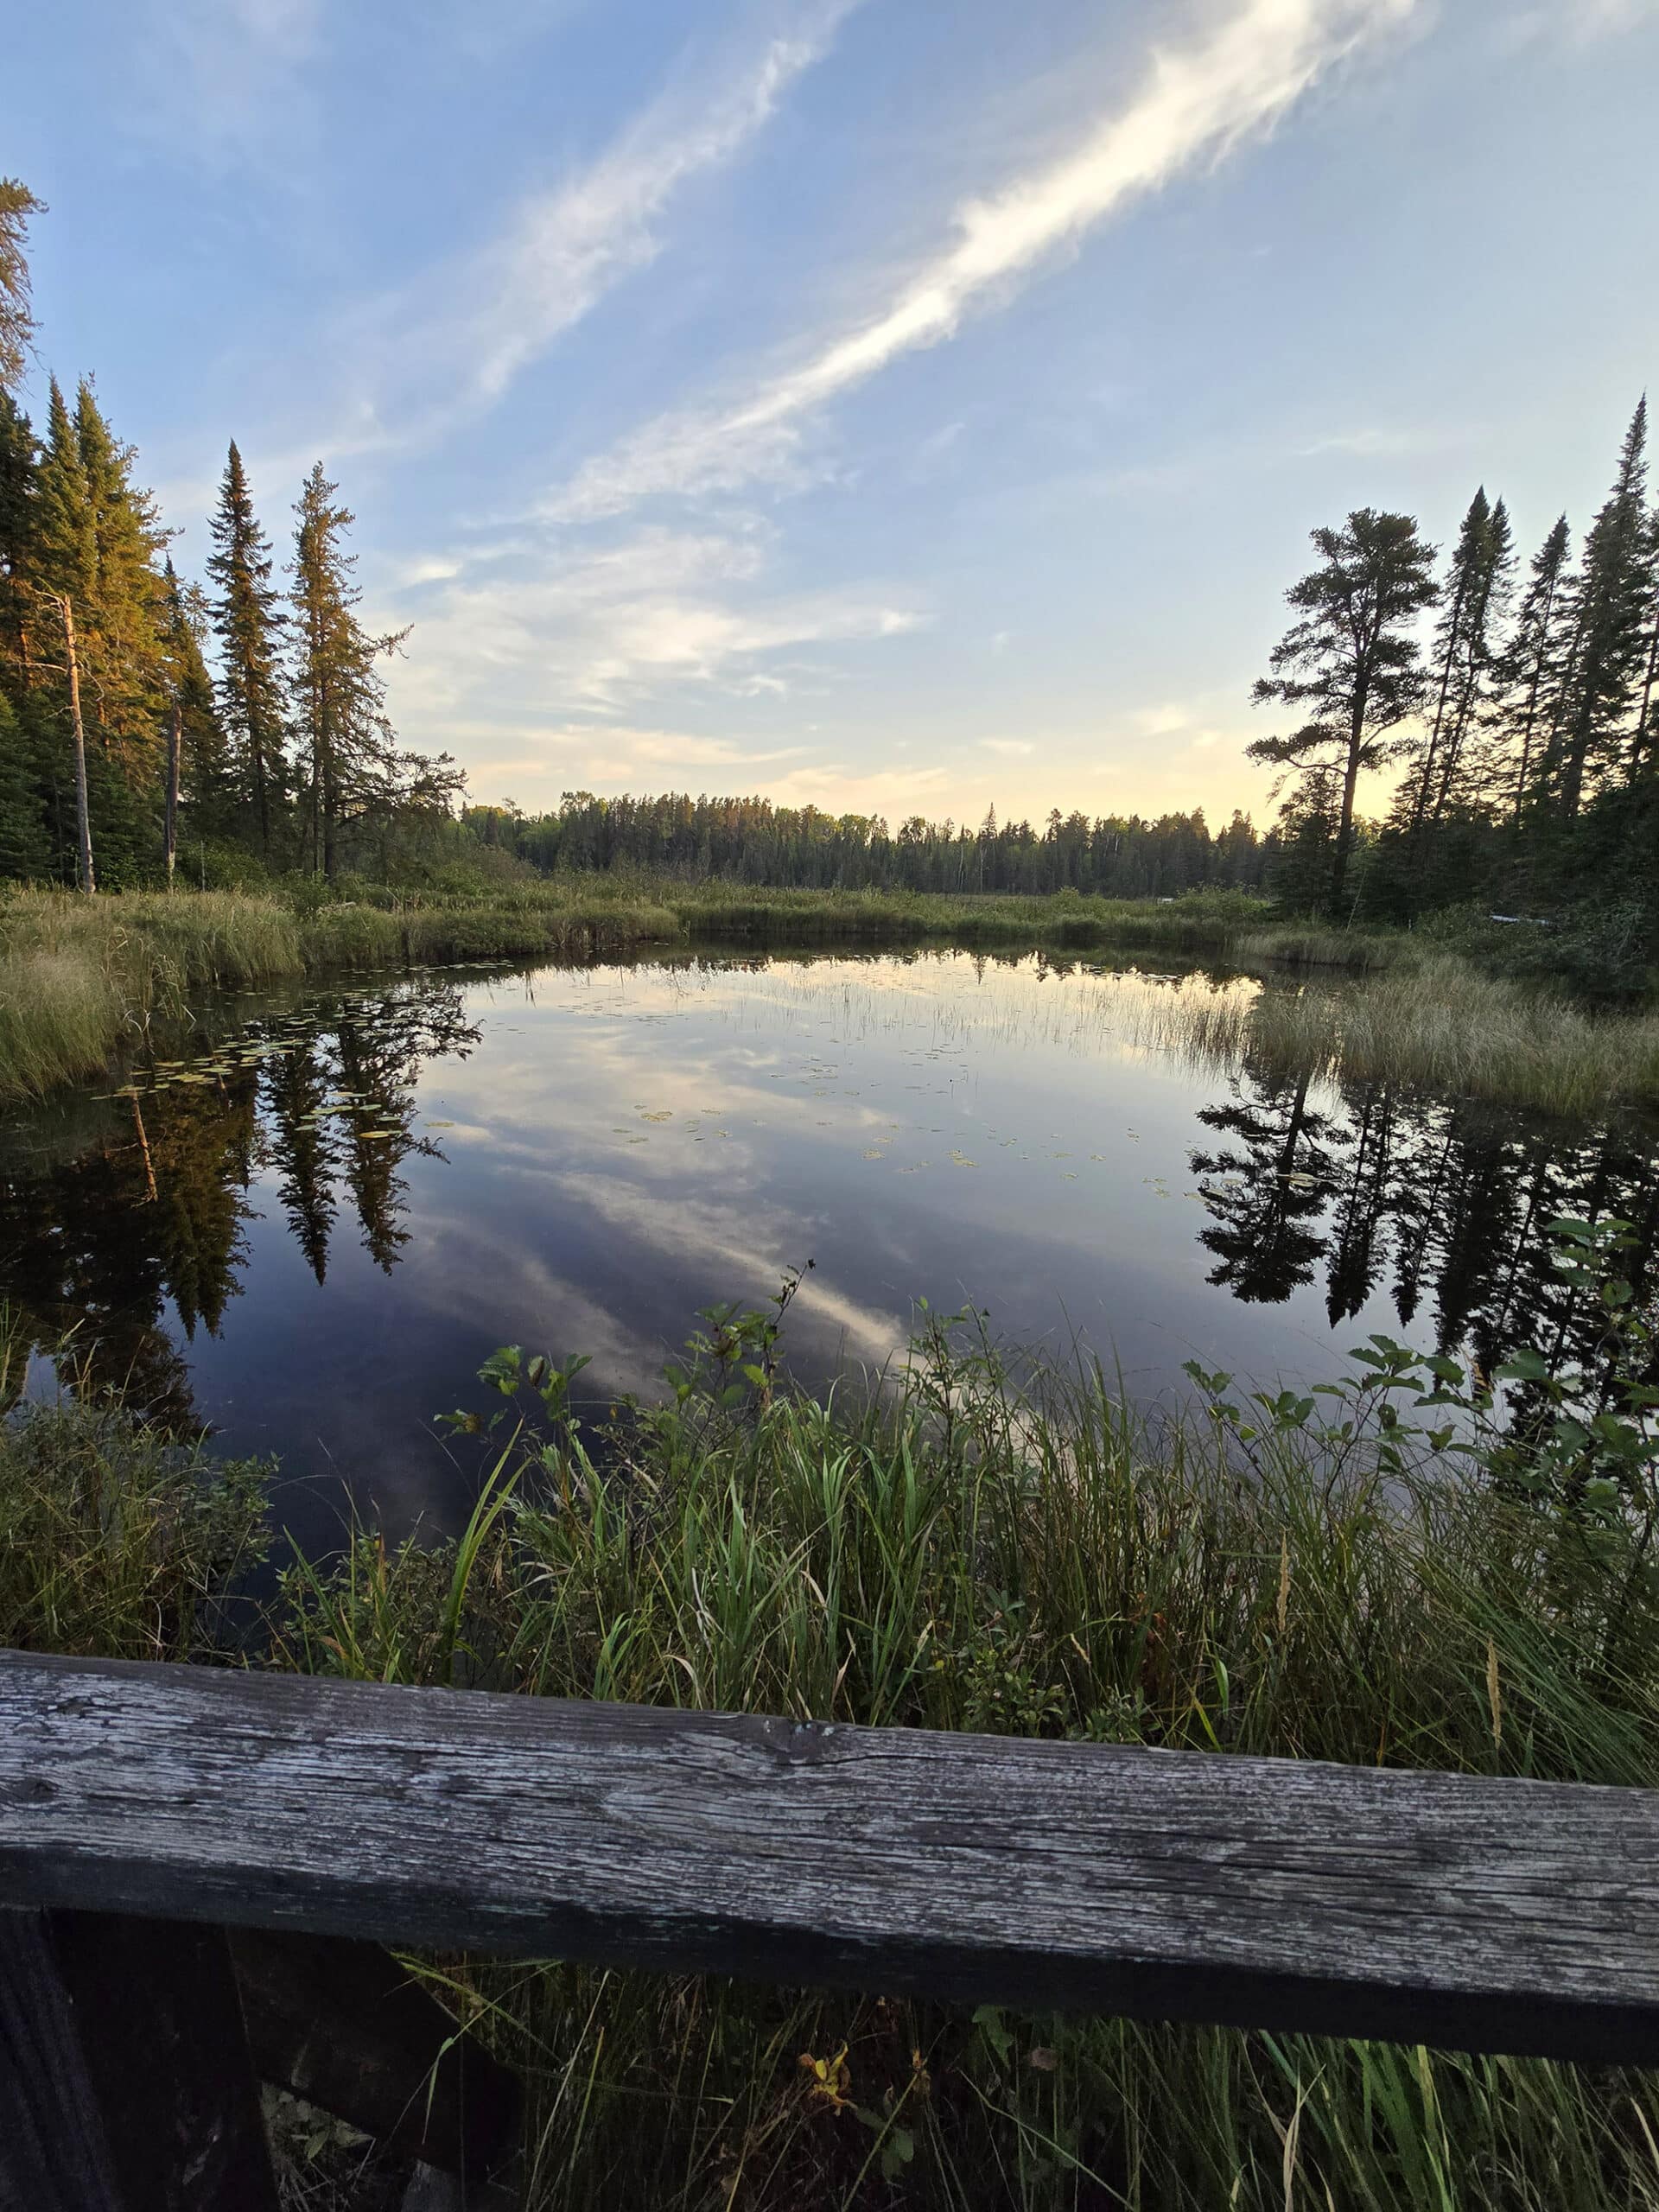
{"x":1460,"y":1911}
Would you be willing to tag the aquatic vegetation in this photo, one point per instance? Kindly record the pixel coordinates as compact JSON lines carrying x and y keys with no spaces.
{"x":79,"y":976}
{"x":990,"y":1544}
{"x":1440,"y":1025}
{"x":83,"y":979}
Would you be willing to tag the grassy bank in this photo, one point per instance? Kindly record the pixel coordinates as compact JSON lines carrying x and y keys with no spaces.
{"x":81,"y":980}
{"x":968,"y":1551}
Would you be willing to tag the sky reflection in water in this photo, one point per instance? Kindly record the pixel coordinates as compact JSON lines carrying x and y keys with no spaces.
{"x":314,"y":1236}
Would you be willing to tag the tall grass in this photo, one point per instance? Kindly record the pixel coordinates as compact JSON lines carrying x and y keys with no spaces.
{"x":1439,"y":1025}
{"x":80,"y":977}
{"x":83,"y":979}
{"x":968,"y":1551}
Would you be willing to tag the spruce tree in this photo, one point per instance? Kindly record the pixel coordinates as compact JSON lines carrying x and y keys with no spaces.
{"x":208,"y":785}
{"x":65,"y":541}
{"x":1464,"y":776}
{"x":25,"y":848}
{"x":248,"y":621}
{"x":1450,"y":651}
{"x":124,"y":613}
{"x":17,"y":204}
{"x":1611,"y":601}
{"x":1645,"y":738}
{"x":1353,"y":658}
{"x":1530,"y":668}
{"x":18,"y":457}
{"x":66,"y":569}
{"x":340,"y":696}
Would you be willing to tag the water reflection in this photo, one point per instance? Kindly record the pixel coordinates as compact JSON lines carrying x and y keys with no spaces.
{"x":1444,"y":1203}
{"x":309,"y":1235}
{"x":98,"y":1238}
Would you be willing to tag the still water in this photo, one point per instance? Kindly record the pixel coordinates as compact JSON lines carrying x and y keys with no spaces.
{"x":311,"y":1232}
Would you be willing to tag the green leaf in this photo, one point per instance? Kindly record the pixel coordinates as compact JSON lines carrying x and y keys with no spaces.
{"x":1525,"y":1365}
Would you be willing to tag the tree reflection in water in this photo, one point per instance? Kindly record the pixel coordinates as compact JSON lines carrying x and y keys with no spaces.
{"x":1440,"y":1201}
{"x":134,"y":1233}
{"x":94,"y":1246}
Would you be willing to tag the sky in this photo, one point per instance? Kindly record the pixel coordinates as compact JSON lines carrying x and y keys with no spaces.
{"x":893,"y":405}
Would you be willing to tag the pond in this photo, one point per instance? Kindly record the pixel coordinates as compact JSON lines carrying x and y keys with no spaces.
{"x":309,"y":1234}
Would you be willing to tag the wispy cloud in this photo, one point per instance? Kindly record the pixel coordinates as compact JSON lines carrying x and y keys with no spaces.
{"x":1578,"y":22}
{"x":219,"y":79}
{"x":600,"y":631}
{"x":433,"y":352}
{"x":1196,"y":104}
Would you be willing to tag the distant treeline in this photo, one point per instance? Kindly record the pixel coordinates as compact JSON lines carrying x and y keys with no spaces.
{"x":1122,"y":857}
{"x":241,"y":722}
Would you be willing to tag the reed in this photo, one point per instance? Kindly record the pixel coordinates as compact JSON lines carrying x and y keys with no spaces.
{"x":81,"y":978}
{"x":1440,"y":1026}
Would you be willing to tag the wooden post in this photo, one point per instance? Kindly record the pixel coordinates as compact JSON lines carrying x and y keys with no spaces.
{"x":125,"y":2082}
{"x":174,"y":732}
{"x":83,"y":818}
{"x":53,"y":2154}
{"x":344,"y":2026}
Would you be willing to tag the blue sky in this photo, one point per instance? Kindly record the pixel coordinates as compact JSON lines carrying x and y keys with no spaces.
{"x":895,"y":404}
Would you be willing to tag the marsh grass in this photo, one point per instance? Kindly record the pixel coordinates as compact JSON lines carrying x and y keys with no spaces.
{"x":1439,"y":1025}
{"x":118,"y":1541}
{"x":81,"y":980}
{"x":80,"y":977}
{"x":976,"y":1547}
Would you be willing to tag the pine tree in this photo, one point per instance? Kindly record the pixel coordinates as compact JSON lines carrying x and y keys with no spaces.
{"x":248,"y":621}
{"x":1612,"y":600}
{"x":1352,"y":657}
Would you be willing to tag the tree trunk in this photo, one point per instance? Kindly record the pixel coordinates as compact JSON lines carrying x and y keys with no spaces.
{"x":83,"y":818}
{"x":171,"y":836}
{"x":1346,"y":825}
{"x":1639,"y":745}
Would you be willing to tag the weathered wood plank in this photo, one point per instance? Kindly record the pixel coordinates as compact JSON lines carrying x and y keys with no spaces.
{"x":1451,"y":1909}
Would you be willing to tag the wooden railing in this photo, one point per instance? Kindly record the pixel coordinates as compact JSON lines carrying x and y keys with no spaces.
{"x":1453,"y":1910}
